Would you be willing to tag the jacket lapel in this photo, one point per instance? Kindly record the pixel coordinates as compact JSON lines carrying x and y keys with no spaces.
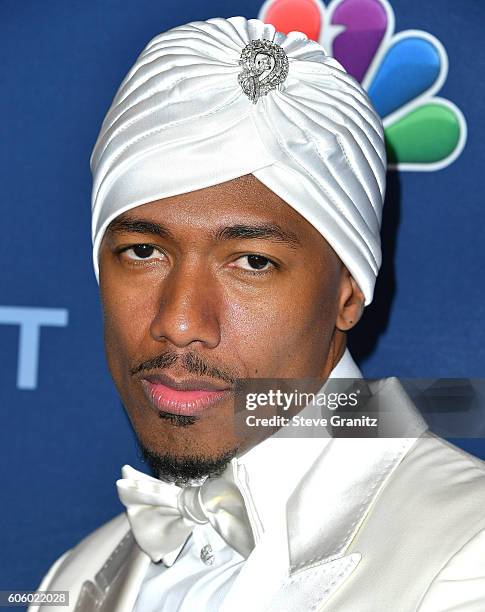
{"x":117,"y":584}
{"x":311,"y":587}
{"x":329,"y":505}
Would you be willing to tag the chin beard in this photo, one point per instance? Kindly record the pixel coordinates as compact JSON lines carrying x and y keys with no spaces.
{"x":187,"y":471}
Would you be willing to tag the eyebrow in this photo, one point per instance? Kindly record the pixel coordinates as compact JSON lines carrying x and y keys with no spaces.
{"x":264,"y":231}
{"x":123,"y":225}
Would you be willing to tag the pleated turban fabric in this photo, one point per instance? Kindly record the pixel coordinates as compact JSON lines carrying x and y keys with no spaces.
{"x":181,"y":120}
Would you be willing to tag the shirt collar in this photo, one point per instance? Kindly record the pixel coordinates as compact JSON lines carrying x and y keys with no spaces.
{"x":267,"y":474}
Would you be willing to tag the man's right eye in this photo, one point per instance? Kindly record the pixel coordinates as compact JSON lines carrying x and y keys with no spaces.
{"x":143,"y":252}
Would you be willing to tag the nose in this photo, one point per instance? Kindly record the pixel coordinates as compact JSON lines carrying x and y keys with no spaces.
{"x":188,"y":308}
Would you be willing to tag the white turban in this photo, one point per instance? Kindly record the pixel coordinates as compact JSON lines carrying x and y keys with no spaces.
{"x":181,"y":121}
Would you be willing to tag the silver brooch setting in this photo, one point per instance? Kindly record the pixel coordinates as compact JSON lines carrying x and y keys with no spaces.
{"x":265,"y":67}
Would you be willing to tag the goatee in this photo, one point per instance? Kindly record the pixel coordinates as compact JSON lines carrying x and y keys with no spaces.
{"x":188,"y":471}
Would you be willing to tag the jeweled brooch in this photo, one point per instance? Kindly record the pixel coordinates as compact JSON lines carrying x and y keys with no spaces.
{"x":265,"y":67}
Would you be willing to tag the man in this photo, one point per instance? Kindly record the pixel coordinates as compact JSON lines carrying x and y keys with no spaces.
{"x":238,"y":186}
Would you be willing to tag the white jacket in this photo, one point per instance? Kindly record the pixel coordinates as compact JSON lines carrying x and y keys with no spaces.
{"x":401,"y":528}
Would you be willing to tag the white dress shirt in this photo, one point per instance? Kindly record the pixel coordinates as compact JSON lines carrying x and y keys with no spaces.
{"x":207,"y":569}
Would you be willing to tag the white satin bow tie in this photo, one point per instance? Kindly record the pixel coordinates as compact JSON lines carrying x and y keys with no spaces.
{"x":162,"y":515}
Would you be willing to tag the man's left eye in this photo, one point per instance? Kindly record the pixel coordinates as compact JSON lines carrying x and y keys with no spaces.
{"x":143,"y":252}
{"x":254,"y":263}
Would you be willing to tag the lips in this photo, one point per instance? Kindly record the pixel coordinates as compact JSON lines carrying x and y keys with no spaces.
{"x":187,"y":397}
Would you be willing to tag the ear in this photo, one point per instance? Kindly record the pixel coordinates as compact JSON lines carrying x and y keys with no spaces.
{"x":350,"y":303}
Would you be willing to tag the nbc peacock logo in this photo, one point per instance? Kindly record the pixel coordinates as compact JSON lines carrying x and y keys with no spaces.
{"x":402,"y":74}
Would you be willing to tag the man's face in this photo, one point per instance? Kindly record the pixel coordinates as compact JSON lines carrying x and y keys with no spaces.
{"x":204,"y":288}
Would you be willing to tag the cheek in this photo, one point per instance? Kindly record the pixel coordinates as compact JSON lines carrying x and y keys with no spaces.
{"x":284,"y":331}
{"x":126,"y":321}
{"x":246,"y":332}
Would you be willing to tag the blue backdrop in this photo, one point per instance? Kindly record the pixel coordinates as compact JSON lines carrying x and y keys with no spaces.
{"x":64,"y":434}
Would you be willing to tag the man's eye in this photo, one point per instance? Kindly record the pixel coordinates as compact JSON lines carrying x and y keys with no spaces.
{"x":254,"y":263}
{"x":140,"y":252}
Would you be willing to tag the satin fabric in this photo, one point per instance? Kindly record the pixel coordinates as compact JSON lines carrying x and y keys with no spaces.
{"x":181,"y":122}
{"x":162,"y":515}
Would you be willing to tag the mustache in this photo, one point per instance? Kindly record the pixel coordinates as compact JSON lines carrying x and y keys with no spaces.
{"x":191,"y":362}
